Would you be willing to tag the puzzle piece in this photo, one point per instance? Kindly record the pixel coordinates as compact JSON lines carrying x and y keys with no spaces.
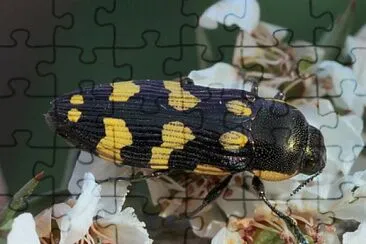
{"x":17,"y":116}
{"x":22,"y":60}
{"x":85,"y":26}
{"x":30,"y":157}
{"x":103,"y":70}
{"x":141,"y":65}
{"x":152,"y":20}
{"x":38,"y":23}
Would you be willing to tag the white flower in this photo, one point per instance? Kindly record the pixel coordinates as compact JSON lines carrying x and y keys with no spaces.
{"x":348,"y":193}
{"x":76,"y":218}
{"x":223,"y":75}
{"x":220,"y":75}
{"x":225,"y":236}
{"x":213,"y":217}
{"x":359,"y":236}
{"x":77,"y":221}
{"x":341,"y":84}
{"x":124,"y":222}
{"x":112,"y":192}
{"x":356,"y":47}
{"x":23,"y":230}
{"x":125,"y":227}
{"x":262,"y":224}
{"x":243,"y":13}
{"x":209,"y":222}
{"x":342,"y":199}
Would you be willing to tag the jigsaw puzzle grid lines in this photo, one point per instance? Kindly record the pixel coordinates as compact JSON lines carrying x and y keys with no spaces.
{"x":73,"y":43}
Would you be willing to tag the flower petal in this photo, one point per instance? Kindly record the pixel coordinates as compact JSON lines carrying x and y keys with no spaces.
{"x":356,"y":49}
{"x":358,"y":236}
{"x":329,"y":237}
{"x":277,"y":32}
{"x":43,"y":223}
{"x":23,"y":230}
{"x":208,"y":223}
{"x":127,"y":227}
{"x":76,"y":223}
{"x":113,"y":192}
{"x":361,"y":33}
{"x":223,"y":75}
{"x":43,"y":219}
{"x":352,"y":205}
{"x":306,"y":51}
{"x":244,"y":14}
{"x":220,"y":75}
{"x":113,"y":197}
{"x":343,"y":142}
{"x":161,"y":188}
{"x":246,"y":47}
{"x":225,"y":236}
{"x":319,"y":113}
{"x":346,"y":93}
{"x":239,"y":202}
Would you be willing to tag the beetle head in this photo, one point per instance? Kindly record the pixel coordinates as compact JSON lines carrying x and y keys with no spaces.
{"x":315,"y":152}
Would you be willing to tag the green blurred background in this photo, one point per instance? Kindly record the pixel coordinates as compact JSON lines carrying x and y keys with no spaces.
{"x":74,"y":46}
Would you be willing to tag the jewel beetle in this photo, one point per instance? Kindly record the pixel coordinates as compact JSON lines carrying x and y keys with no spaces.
{"x":177,"y":125}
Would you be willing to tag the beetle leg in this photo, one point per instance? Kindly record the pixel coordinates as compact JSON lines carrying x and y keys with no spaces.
{"x":156,"y":173}
{"x":279,"y":96}
{"x":186,"y":81}
{"x":253,"y":91}
{"x":259,"y":188}
{"x":254,"y":88}
{"x":212,"y":195}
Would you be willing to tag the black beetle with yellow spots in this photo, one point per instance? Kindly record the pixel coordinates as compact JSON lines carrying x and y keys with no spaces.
{"x":170,"y":125}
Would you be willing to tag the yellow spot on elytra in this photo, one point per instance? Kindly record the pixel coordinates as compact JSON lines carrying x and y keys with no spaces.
{"x":73,"y":115}
{"x":233,"y":140}
{"x":178,"y":98}
{"x":174,"y":136}
{"x":209,"y":170}
{"x":77,"y":99}
{"x":238,"y":108}
{"x":272,"y":175}
{"x":117,"y":137}
{"x":122,"y":91}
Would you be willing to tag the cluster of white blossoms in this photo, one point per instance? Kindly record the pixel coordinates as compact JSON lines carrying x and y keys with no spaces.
{"x":92,"y":218}
{"x":330,"y":95}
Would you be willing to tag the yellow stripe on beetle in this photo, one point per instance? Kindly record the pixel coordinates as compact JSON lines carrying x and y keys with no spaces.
{"x":179,"y":98}
{"x":209,"y":170}
{"x":77,"y":100}
{"x":272,"y":175}
{"x":117,"y":137}
{"x":237,"y":107}
{"x":122,"y":91}
{"x":73,"y":115}
{"x":174,"y":136}
{"x":233,"y":140}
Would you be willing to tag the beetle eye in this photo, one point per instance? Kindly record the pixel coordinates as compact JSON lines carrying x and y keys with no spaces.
{"x":315,"y":152}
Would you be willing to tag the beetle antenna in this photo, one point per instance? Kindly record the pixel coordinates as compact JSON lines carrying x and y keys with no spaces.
{"x":259,"y":188}
{"x":308,"y":180}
